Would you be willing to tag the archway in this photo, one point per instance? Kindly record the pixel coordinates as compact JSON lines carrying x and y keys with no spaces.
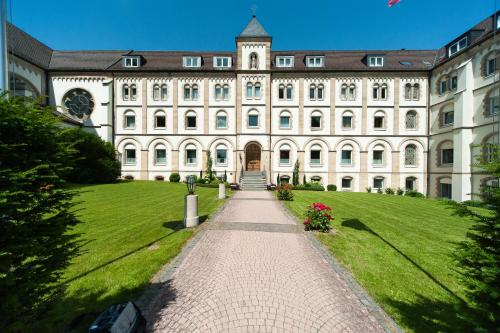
{"x":252,"y":157}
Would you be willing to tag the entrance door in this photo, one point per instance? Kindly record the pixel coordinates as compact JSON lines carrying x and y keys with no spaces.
{"x":252,"y":157}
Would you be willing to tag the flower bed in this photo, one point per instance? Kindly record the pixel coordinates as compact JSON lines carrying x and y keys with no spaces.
{"x":318,"y":217}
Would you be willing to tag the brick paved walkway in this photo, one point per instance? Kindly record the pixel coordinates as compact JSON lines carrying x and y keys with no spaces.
{"x":254,"y":270}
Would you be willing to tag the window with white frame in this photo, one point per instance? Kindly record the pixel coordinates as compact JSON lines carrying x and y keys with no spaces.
{"x":316,"y":92}
{"x":191,"y":152}
{"x":156,"y":92}
{"x":346,"y":155}
{"x":125,"y":92}
{"x":453,"y":82}
{"x":191,"y":61}
{"x":160,"y":154}
{"x":129,"y":119}
{"x":443,"y":85}
{"x":315,"y":61}
{"x":253,"y":90}
{"x":249,"y":90}
{"x":285,"y":120}
{"x":222,"y":62}
{"x":379,"y":120}
{"x":411,"y":120}
{"x":221,"y":120}
{"x":131,"y":61}
{"x":493,"y":103}
{"x":133,"y":92}
{"x":284,"y":61}
{"x":376,"y":61}
{"x":163,"y":92}
{"x":130,"y":154}
{"x":315,"y":155}
{"x":191,"y":120}
{"x":253,"y":119}
{"x":378,"y":155}
{"x":490,"y":65}
{"x":378,"y":182}
{"x":347,"y":183}
{"x":256,"y":90}
{"x":312,"y":91}
{"x":457,"y":46}
{"x":351,"y":93}
{"x":343,"y":91}
{"x":285,"y":155}
{"x":316,"y":120}
{"x":411,"y":155}
{"x":221,"y":155}
{"x":191,"y":92}
{"x":285,"y":92}
{"x":380,"y":92}
{"x":383,"y":92}
{"x":347,"y":120}
{"x":160,"y":119}
{"x":412,"y":92}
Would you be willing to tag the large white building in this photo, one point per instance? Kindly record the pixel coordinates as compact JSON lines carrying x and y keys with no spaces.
{"x":357,"y":119}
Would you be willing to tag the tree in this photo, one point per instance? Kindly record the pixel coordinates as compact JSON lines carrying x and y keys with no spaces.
{"x":95,"y":160}
{"x":209,"y":165}
{"x":35,"y":210}
{"x":295,"y":176}
{"x":479,"y":255}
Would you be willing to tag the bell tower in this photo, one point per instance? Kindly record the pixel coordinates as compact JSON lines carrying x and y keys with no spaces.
{"x":254,"y":47}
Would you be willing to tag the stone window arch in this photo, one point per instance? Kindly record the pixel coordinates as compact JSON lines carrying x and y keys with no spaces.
{"x":191,"y":152}
{"x":221,"y":154}
{"x":379,"y":120}
{"x":160,"y":119}
{"x":411,"y":155}
{"x":129,"y":119}
{"x":490,"y":149}
{"x":253,"y":119}
{"x":249,"y":90}
{"x":191,"y":120}
{"x":160,"y":154}
{"x":156,"y":92}
{"x":133,"y":92}
{"x":285,"y":119}
{"x":218,"y":92}
{"x":488,"y":64}
{"x":315,"y":154}
{"x":19,"y":86}
{"x":491,"y":103}
{"x":378,"y":182}
{"x":125,"y":92}
{"x":164,"y":92}
{"x":442,"y":84}
{"x":129,"y":154}
{"x":344,"y":91}
{"x":285,"y":152}
{"x":408,"y":91}
{"x":378,"y":155}
{"x":221,"y":119}
{"x":348,"y":119}
{"x":316,"y":120}
{"x":346,"y":183}
{"x":312,"y":91}
{"x":346,"y":155}
{"x":411,"y":120}
{"x":444,"y":151}
{"x":411,"y":183}
{"x":446,"y":115}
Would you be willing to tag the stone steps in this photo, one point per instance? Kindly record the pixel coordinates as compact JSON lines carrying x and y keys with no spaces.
{"x":253,"y":181}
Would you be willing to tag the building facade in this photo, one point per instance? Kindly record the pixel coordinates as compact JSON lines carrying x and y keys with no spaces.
{"x":356,"y":119}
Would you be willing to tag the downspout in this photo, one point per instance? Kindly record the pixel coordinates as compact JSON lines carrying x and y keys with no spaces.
{"x":428,"y":129}
{"x":113,"y":108}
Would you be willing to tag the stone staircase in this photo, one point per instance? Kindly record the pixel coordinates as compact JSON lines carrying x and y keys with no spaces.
{"x":253,"y":181}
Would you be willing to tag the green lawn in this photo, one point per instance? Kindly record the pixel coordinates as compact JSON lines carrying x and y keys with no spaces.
{"x":128,"y":232}
{"x":399,"y":249}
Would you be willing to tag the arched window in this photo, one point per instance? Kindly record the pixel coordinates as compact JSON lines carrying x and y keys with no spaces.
{"x":379,"y":120}
{"x":284,"y":179}
{"x":347,"y":120}
{"x":316,"y":179}
{"x":408,"y":90}
{"x":164,"y":92}
{"x":21,"y":87}
{"x":445,"y":153}
{"x":281,"y":91}
{"x":490,"y":148}
{"x":320,"y":93}
{"x":125,"y":92}
{"x":492,"y":103}
{"x":489,"y":64}
{"x":442,"y":85}
{"x":446,"y":116}
{"x":133,"y":92}
{"x":347,"y":183}
{"x":191,"y":120}
{"x":352,"y":92}
{"x":156,"y":92}
{"x":316,"y":120}
{"x":343,"y":92}
{"x":346,"y":155}
{"x":129,"y":119}
{"x":160,"y":154}
{"x":410,"y":183}
{"x":378,"y":155}
{"x":253,"y":119}
{"x":225,"y":92}
{"x":285,"y":120}
{"x":257,"y":90}
{"x":187,"y":92}
{"x":285,"y":154}
{"x":289,"y":91}
{"x":194,"y":92}
{"x":411,"y":155}
{"x":378,"y":182}
{"x":129,"y":154}
{"x":218,"y":92}
{"x":315,"y":155}
{"x":160,"y":119}
{"x":416,"y":92}
{"x":383,"y":92}
{"x":221,"y":120}
{"x":376,"y":91}
{"x":191,"y":154}
{"x":249,"y":90}
{"x":312,"y":91}
{"x":221,"y":155}
{"x":411,"y":120}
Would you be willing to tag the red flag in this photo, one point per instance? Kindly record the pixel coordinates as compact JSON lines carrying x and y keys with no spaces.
{"x":393,"y":2}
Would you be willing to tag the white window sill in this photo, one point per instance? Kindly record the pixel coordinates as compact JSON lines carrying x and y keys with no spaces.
{"x":380,"y":129}
{"x":411,"y":166}
{"x":129,"y":128}
{"x":346,"y":165}
{"x":160,"y":128}
{"x":312,"y":165}
{"x":446,"y":165}
{"x":378,"y":165}
{"x":191,"y":128}
{"x":285,"y":164}
{"x":316,"y":128}
{"x":253,"y":127}
{"x":221,"y":164}
{"x":160,"y":164}
{"x":347,"y":129}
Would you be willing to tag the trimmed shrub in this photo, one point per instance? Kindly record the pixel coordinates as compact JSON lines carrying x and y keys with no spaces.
{"x":174,"y":177}
{"x":400,"y":191}
{"x":318,"y":217}
{"x":389,"y":191}
{"x":160,"y":178}
{"x":309,"y":187}
{"x":368,"y":189}
{"x":331,"y":187}
{"x":473,"y":203}
{"x":414,"y":194}
{"x":284,"y":192}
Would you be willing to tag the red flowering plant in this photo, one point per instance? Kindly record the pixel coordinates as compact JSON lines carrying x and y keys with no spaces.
{"x":318,"y":217}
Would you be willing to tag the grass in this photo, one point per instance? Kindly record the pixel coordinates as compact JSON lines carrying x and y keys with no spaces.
{"x":400,"y":250}
{"x":128,"y":232}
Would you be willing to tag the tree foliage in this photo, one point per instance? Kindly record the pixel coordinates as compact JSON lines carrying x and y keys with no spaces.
{"x":295,"y":176}
{"x":479,"y":255}
{"x":35,"y":210}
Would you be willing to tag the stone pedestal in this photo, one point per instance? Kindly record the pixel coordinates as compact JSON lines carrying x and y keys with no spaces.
{"x":191,"y":218}
{"x":222,"y":191}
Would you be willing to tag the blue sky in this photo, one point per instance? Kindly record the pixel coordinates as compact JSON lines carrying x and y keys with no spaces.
{"x":212,"y":25}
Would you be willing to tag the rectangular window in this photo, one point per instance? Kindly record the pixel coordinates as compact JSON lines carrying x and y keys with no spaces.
{"x":257,"y":91}
{"x":284,"y":121}
{"x":221,"y":156}
{"x":448,"y":118}
{"x":378,"y":182}
{"x":315,"y":156}
{"x":493,"y":106}
{"x":346,"y":157}
{"x":442,"y":87}
{"x":376,"y":61}
{"x":222,"y":62}
{"x":129,"y":121}
{"x":447,"y":156}
{"x":346,"y":183}
{"x":378,"y":157}
{"x":131,"y":62}
{"x":284,"y":61}
{"x":315,"y":61}
{"x":191,"y":156}
{"x":378,"y":122}
{"x":454,"y":83}
{"x":221,"y":122}
{"x":160,"y":157}
{"x":316,"y":122}
{"x":490,"y":66}
{"x":191,"y":62}
{"x":284,"y":157}
{"x":191,"y":121}
{"x":457,"y":46}
{"x":346,"y":121}
{"x":253,"y":120}
{"x":160,"y":122}
{"x":129,"y":156}
{"x":445,"y":190}
{"x":375,"y":93}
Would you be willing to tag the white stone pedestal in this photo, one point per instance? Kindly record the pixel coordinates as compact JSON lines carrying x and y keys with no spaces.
{"x":222,"y":191}
{"x":191,"y":218}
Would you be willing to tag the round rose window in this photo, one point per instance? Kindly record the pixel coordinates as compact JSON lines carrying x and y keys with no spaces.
{"x":79,"y":103}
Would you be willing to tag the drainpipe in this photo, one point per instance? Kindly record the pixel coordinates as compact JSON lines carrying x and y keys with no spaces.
{"x":4,"y":72}
{"x":428,"y":129}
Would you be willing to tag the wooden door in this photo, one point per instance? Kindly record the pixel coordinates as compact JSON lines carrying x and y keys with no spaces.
{"x":252,"y":156}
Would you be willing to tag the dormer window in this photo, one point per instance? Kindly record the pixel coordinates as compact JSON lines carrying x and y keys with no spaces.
{"x":222,"y":62}
{"x":284,"y":61}
{"x":191,"y":62}
{"x":457,"y":46}
{"x":131,"y":61}
{"x":375,"y":61}
{"x":315,"y":61}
